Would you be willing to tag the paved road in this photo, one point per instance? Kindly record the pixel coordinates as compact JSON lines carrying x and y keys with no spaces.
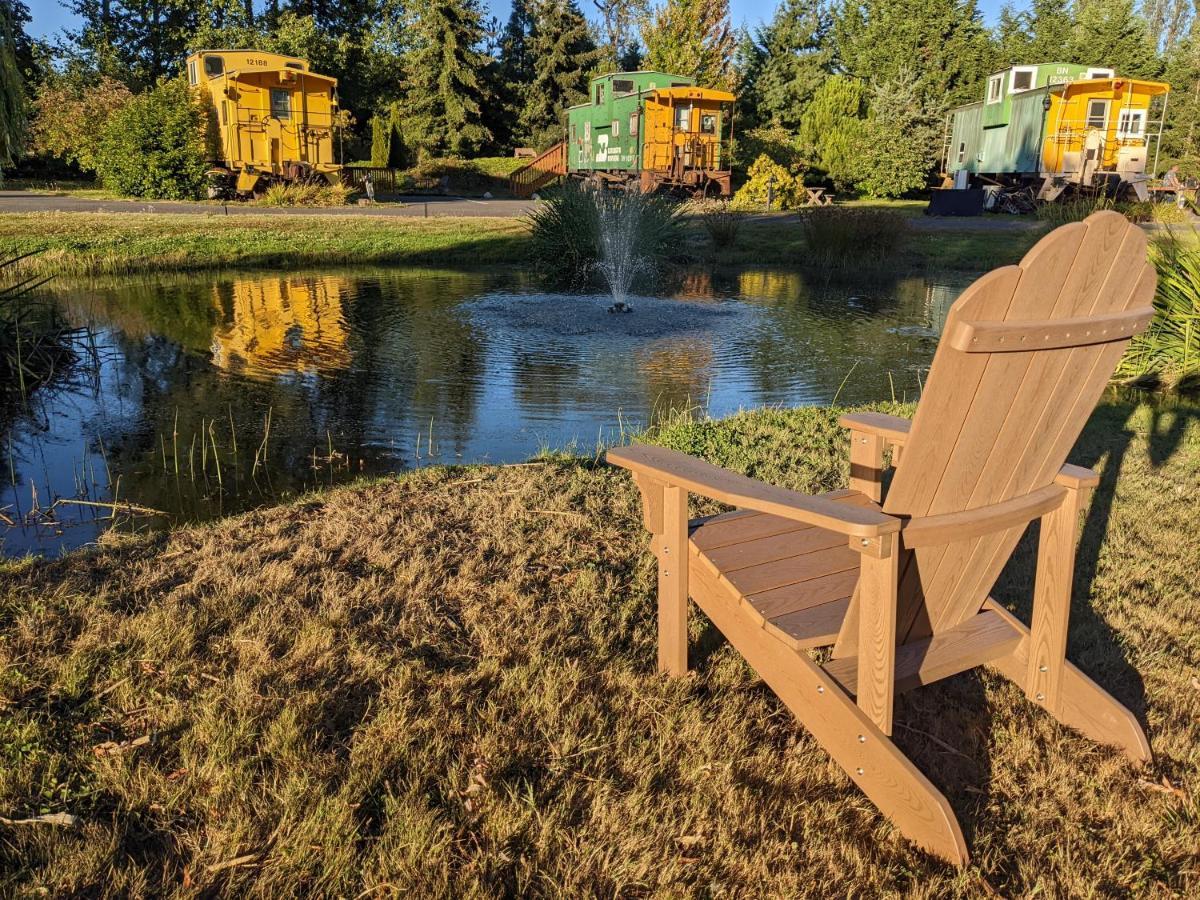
{"x":26,"y":201}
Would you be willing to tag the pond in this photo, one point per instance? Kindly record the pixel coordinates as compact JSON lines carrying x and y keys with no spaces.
{"x":204,"y":395}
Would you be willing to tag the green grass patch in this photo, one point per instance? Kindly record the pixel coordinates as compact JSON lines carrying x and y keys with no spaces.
{"x":122,"y":243}
{"x":444,"y":683}
{"x":779,"y":241}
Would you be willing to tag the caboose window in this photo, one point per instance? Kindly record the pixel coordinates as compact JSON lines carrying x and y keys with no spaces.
{"x":616,"y":127}
{"x":281,"y":103}
{"x":213,"y":66}
{"x":633,"y":124}
{"x":962,"y":151}
{"x":1132,"y":123}
{"x":622,"y":86}
{"x":1022,"y":79}
{"x":599,"y":94}
{"x":683,"y":118}
{"x":995,"y":88}
{"x":708,"y":124}
{"x":192,"y":72}
{"x":1097,"y":114}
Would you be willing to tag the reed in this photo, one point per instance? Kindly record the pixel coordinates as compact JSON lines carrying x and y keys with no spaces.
{"x":35,"y":342}
{"x":852,"y":240}
{"x":721,"y":222}
{"x":1167,"y":354}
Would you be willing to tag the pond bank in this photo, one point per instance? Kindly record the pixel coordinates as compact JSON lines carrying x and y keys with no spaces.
{"x":443,"y":682}
{"x":128,"y":243}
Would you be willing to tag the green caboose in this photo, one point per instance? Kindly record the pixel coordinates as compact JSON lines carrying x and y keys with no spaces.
{"x":652,"y":129}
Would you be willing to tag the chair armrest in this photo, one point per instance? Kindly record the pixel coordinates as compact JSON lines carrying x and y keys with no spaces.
{"x":892,"y":429}
{"x":680,"y":470}
{"x":1076,"y":478}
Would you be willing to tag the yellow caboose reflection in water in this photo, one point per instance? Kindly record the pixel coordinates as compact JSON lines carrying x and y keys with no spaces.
{"x":281,"y":326}
{"x":269,"y":117}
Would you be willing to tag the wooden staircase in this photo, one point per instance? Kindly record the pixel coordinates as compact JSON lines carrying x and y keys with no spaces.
{"x":541,"y":171}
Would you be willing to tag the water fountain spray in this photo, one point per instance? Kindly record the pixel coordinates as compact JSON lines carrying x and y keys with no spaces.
{"x":619,"y":217}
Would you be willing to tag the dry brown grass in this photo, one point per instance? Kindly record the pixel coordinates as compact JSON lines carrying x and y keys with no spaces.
{"x":443,"y":685}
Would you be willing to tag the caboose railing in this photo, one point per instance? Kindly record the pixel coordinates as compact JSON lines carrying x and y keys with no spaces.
{"x":541,"y":170}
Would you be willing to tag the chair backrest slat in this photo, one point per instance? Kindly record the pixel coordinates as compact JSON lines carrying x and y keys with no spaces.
{"x":993,"y":426}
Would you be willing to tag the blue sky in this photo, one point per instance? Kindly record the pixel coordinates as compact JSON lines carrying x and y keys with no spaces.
{"x":49,"y":17}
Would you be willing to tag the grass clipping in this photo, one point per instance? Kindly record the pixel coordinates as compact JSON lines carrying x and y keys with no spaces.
{"x":444,"y":684}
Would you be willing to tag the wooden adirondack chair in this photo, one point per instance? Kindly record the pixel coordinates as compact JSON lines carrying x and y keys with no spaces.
{"x":899,"y":585}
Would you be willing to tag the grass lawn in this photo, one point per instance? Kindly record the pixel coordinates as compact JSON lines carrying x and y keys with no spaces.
{"x":965,"y":246}
{"x":443,"y":684}
{"x":119,"y":243}
{"x":122,"y":243}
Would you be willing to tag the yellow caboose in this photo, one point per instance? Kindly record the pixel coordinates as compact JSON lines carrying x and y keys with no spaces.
{"x":1060,"y":124}
{"x":270,"y":118}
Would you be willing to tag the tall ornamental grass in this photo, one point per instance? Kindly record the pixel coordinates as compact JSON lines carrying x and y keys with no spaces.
{"x":565,"y":243}
{"x":1167,"y":354}
{"x":841,"y":240}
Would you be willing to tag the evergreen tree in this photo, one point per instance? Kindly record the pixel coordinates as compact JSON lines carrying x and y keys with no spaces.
{"x":1168,"y":21}
{"x":748,"y":58}
{"x":900,"y":138}
{"x":832,"y":129}
{"x":134,"y":41}
{"x":1181,"y":133}
{"x":691,"y":37}
{"x":1050,"y":26}
{"x":562,"y":57}
{"x":618,"y":27}
{"x":12,"y":94}
{"x":1013,"y":37}
{"x":1110,"y":33}
{"x":795,"y":59}
{"x":941,"y":43}
{"x":443,"y":96}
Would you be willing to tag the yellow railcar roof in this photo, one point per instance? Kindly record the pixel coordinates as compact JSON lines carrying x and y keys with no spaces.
{"x":259,"y":70}
{"x":691,"y":92}
{"x":1149,"y":87}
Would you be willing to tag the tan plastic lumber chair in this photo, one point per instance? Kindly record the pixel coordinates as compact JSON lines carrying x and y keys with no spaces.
{"x":898,"y":585}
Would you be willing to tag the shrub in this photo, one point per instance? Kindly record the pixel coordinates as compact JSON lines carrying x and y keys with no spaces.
{"x":773,"y":141}
{"x":768,"y":179}
{"x":843,"y":239}
{"x":565,"y":230}
{"x":721,"y":222}
{"x":152,"y":145}
{"x":305,"y":195}
{"x":69,"y":117}
{"x":1075,"y":209}
{"x":1167,"y":353}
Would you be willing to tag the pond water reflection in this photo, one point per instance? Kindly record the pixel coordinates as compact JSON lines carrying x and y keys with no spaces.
{"x":209,"y":394}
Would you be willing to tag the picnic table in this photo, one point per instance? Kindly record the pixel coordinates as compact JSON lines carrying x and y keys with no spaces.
{"x":818,"y":197}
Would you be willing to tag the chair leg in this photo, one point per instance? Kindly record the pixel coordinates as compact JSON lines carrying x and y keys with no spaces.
{"x":1052,"y":602}
{"x":900,"y":791}
{"x":664,"y":510}
{"x":672,"y":551}
{"x":1082,"y":704}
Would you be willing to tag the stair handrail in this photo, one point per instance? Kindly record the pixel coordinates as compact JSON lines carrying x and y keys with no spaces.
{"x":548,"y":165}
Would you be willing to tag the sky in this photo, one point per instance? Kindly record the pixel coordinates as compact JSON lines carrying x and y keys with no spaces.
{"x":49,"y":17}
